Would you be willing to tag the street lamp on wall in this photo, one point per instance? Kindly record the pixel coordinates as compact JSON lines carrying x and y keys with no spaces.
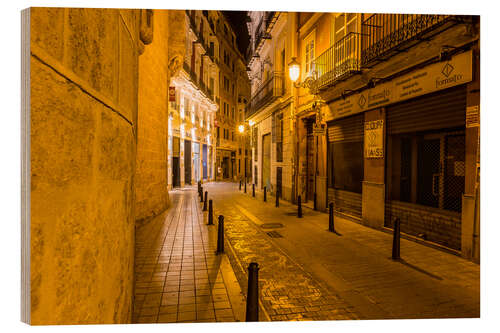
{"x":310,"y":82}
{"x":241,"y":128}
{"x":294,"y":70}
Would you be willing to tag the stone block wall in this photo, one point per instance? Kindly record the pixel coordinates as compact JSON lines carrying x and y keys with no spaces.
{"x":152,"y":124}
{"x":83,"y":105}
{"x":439,"y":226}
{"x":161,"y":58}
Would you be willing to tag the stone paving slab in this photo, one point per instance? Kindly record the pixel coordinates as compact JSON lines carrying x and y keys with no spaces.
{"x":354,"y":265}
{"x":178,"y":276}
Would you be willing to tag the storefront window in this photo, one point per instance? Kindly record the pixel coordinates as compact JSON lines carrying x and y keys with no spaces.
{"x":427,"y":168}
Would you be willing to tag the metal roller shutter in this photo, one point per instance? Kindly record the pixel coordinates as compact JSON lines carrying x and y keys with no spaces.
{"x":443,"y":109}
{"x":346,"y":130}
{"x":346,"y":163}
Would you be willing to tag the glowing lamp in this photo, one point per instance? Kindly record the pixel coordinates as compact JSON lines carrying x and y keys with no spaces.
{"x":294,"y":70}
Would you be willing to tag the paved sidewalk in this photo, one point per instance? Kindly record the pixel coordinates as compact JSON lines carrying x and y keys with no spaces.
{"x":310,"y":273}
{"x":178,"y":277}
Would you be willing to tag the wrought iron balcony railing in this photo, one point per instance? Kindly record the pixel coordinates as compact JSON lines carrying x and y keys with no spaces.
{"x":261,"y":33}
{"x":272,"y":88}
{"x":338,"y":61}
{"x":381,"y":36}
{"x":383,"y":33}
{"x":188,"y":70}
{"x":268,"y":16}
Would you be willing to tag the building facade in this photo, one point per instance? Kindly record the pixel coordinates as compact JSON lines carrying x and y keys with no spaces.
{"x":232,"y":98}
{"x":207,"y":104}
{"x":271,"y":110}
{"x":193,"y":106}
{"x":386,"y":116}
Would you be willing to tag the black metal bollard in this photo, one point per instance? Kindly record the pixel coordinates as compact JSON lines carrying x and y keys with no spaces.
{"x":205,"y":202}
{"x":220,"y":235}
{"x":331,"y":226}
{"x":240,"y":184}
{"x":210,"y":212}
{"x":253,"y":292}
{"x":299,"y":207}
{"x":395,"y":240}
{"x":253,"y":190}
{"x":265,"y":194}
{"x":277,"y":198}
{"x":315,"y":202}
{"x":245,"y":187}
{"x":201,"y":194}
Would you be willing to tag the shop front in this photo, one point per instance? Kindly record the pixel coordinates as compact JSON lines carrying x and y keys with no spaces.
{"x":400,"y":150}
{"x":426,"y":165}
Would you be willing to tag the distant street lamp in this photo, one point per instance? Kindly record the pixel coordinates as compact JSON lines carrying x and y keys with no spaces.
{"x":241,"y":129}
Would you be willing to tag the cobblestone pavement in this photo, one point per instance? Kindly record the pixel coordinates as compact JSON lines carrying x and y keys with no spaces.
{"x":308,"y":273}
{"x":287,"y":291}
{"x":178,"y":277}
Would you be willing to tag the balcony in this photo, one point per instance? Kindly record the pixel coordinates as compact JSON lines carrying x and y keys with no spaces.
{"x":198,"y":81}
{"x":211,"y":94}
{"x":272,"y":88}
{"x":261,"y":34}
{"x":384,"y":34}
{"x":211,"y":54}
{"x":190,"y":72}
{"x":339,"y":61}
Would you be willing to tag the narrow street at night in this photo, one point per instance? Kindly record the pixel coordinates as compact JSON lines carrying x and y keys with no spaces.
{"x":351,"y":276}
{"x":186,"y":166}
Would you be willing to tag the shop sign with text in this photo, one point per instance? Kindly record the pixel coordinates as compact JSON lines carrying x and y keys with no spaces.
{"x":374,"y":139}
{"x":432,"y":78}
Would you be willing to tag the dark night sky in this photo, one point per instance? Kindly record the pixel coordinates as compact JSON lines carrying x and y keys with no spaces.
{"x":238,"y":21}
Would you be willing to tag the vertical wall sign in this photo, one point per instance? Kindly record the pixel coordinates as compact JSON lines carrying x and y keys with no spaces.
{"x":374,"y":139}
{"x":171,"y":94}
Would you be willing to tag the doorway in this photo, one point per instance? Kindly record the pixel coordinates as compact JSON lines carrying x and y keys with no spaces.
{"x":176,"y":170}
{"x":187,"y":162}
{"x":204,"y":161}
{"x":441,"y":170}
{"x":266,"y":161}
{"x":225,"y":167}
{"x":310,"y":167}
{"x":196,"y":161}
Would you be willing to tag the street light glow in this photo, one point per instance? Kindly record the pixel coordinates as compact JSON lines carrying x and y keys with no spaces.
{"x":294,"y":69}
{"x":241,"y":128}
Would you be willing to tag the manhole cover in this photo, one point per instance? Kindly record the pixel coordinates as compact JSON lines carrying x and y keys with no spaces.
{"x":274,"y":234}
{"x":291,"y":213}
{"x":271,"y":225}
